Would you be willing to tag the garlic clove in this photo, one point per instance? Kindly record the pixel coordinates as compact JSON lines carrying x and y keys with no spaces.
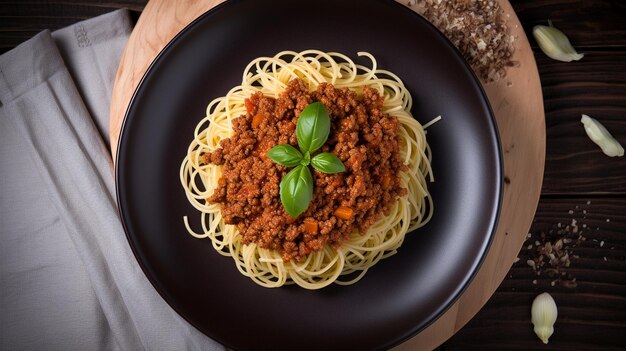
{"x":601,"y":136}
{"x":543,"y":316}
{"x":555,"y":44}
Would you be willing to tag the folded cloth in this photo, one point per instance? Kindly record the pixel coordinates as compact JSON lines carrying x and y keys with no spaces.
{"x":68,"y":279}
{"x":91,"y":51}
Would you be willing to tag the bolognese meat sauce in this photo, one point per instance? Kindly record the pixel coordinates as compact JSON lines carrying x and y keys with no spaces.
{"x":363,"y":137}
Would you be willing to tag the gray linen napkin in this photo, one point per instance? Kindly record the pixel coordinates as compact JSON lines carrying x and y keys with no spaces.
{"x":91,"y":52}
{"x":68,"y":279}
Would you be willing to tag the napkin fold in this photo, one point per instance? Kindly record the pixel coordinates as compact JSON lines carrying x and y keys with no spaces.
{"x":68,"y":278}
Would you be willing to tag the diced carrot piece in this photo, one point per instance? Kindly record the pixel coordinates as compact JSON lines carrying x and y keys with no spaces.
{"x":249,"y":105}
{"x":344,"y":212}
{"x":386,"y":181}
{"x":257,"y":119}
{"x":310,"y":225}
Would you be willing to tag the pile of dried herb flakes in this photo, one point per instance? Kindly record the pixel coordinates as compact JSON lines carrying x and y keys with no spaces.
{"x":477,"y":28}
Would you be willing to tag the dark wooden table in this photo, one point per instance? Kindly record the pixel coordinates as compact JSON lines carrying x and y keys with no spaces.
{"x":584,"y":192}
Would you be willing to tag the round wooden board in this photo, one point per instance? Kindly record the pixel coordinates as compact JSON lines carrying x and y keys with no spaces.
{"x":516,"y":101}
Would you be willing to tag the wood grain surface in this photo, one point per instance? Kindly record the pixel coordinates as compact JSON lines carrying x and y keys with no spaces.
{"x":595,"y":86}
{"x":592,"y":315}
{"x":588,"y":23}
{"x":518,"y":110}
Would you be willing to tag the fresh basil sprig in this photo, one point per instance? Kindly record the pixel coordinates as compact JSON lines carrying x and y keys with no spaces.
{"x":327,"y":163}
{"x":285,"y":154}
{"x":312,"y":129}
{"x":296,"y":190}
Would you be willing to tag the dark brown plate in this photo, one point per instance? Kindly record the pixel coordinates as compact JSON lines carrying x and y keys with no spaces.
{"x":399,"y":296}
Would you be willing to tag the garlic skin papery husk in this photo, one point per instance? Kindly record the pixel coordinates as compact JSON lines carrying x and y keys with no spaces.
{"x":544,"y":315}
{"x":599,"y":135}
{"x":555,"y":44}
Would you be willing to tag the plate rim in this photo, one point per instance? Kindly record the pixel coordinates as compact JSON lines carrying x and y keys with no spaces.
{"x":495,"y":214}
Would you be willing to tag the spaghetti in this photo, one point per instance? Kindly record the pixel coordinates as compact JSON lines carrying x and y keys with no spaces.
{"x":350,"y":261}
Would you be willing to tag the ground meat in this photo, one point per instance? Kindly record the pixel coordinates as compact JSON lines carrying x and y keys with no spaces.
{"x":364,"y":139}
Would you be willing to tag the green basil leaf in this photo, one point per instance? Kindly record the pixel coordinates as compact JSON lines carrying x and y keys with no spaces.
{"x":285,"y":154}
{"x":327,"y":162}
{"x":296,"y":190}
{"x":313,"y":127}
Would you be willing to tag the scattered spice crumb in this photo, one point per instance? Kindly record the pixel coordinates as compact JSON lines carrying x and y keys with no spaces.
{"x":570,"y":284}
{"x":550,"y":253}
